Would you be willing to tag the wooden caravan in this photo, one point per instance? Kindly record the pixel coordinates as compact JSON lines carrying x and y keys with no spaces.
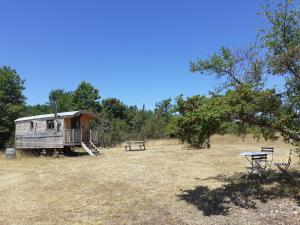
{"x":66,"y":129}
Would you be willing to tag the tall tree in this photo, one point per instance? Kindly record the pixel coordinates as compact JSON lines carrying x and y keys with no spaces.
{"x":64,"y":99}
{"x":32,"y":110}
{"x":237,"y":67}
{"x":164,"y":109}
{"x":113,"y":108}
{"x":12,"y":101}
{"x":282,"y":38}
{"x":86,"y":97}
{"x":282,"y":41}
{"x":245,"y":99}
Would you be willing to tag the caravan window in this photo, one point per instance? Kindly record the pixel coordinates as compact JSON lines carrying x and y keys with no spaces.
{"x":50,"y":124}
{"x":31,"y":125}
{"x":58,"y":127}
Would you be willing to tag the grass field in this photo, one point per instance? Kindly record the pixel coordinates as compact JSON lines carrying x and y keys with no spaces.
{"x":169,"y":183}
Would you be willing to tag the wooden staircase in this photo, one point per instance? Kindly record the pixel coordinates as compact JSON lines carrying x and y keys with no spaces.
{"x":90,"y":148}
{"x":97,"y":149}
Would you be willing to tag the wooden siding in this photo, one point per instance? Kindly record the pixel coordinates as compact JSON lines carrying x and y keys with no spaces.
{"x":39,"y":126}
{"x":39,"y":136}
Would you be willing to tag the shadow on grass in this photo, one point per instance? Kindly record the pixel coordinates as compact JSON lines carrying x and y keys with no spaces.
{"x":242,"y":193}
{"x":136,"y":150}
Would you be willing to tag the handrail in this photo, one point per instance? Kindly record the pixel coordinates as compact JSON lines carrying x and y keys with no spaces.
{"x":72,"y":136}
{"x":76,"y":136}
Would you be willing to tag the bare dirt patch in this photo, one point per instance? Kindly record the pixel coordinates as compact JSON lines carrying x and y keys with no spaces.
{"x":166,"y":184}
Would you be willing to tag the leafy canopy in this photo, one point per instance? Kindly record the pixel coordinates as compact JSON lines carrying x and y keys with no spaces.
{"x":12,"y":101}
{"x":243,"y":100}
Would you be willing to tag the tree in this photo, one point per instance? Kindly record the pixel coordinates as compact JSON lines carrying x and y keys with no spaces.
{"x":243,"y":66}
{"x":86,"y":97}
{"x":164,"y":109}
{"x":112,"y":122}
{"x":136,"y":120}
{"x":244,"y":99}
{"x":114,"y":108}
{"x":282,"y":41}
{"x":12,"y":101}
{"x":32,"y":110}
{"x":201,"y":117}
{"x":156,"y":125}
{"x":282,"y":38}
{"x":64,"y":99}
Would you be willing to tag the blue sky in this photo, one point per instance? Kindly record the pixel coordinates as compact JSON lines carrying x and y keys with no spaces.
{"x":138,"y":51}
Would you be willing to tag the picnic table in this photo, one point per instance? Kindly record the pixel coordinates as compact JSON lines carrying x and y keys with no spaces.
{"x":130,"y":144}
{"x":257,"y":161}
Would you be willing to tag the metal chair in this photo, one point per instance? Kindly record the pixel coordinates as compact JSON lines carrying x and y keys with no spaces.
{"x":270,"y":152}
{"x":283,"y":167}
{"x":258,"y":166}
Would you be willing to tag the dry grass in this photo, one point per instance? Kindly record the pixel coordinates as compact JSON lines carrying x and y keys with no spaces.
{"x":162,"y":142}
{"x":138,"y":187}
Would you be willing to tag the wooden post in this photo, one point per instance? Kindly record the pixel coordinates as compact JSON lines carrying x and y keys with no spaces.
{"x":80,"y":134}
{"x":73,"y":135}
{"x":90,"y":135}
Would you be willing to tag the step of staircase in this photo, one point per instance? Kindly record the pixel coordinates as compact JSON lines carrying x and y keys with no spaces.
{"x":87,"y":149}
{"x":93,"y":147}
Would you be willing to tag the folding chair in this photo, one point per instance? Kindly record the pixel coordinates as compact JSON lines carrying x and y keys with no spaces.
{"x":258,"y":165}
{"x":270,"y":152}
{"x":283,"y":167}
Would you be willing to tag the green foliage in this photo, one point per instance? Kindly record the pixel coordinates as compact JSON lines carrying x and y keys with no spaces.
{"x":172,"y":129}
{"x":244,"y":109}
{"x":282,"y":38}
{"x":234,"y":127}
{"x":198,"y":120}
{"x":246,"y":106}
{"x":113,"y":108}
{"x":112,"y":132}
{"x":117,"y":122}
{"x":65,"y":100}
{"x":237,"y":67}
{"x":32,"y":110}
{"x":282,"y":42}
{"x":156,"y":125}
{"x":86,"y":97}
{"x":12,"y":101}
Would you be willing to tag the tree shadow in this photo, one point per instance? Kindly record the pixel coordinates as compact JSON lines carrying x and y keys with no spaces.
{"x":242,"y":193}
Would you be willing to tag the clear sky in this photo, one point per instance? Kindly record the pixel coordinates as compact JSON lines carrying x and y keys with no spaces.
{"x":136,"y":50}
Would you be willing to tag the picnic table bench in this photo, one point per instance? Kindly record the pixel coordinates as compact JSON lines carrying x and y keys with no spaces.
{"x":130,"y":144}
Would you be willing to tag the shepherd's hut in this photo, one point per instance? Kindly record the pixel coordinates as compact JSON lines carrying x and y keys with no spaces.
{"x":64,"y":130}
